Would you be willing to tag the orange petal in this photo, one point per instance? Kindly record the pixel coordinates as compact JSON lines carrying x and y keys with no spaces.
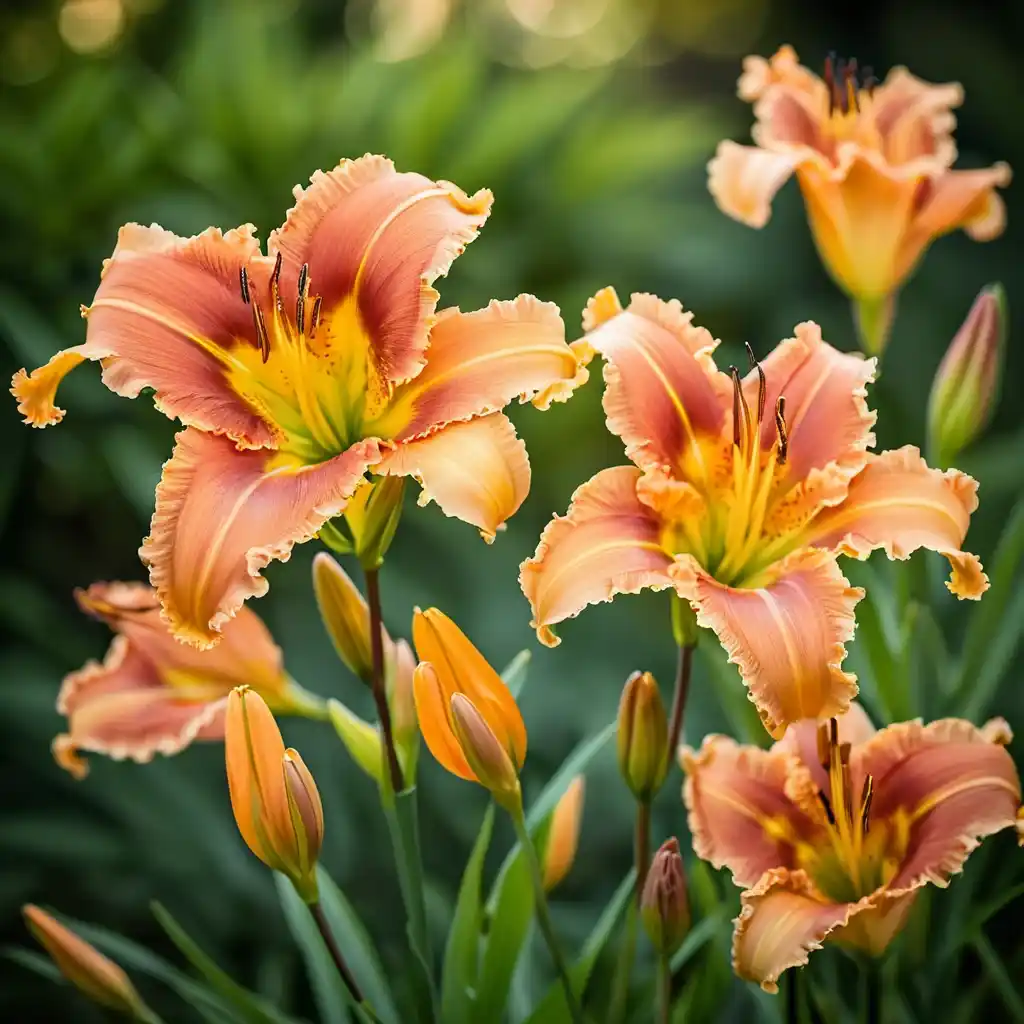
{"x":914,"y":118}
{"x":476,"y":471}
{"x":434,"y":714}
{"x":166,"y":314}
{"x":827,"y":416}
{"x":479,"y":362}
{"x":739,"y":815}
{"x":787,"y":638}
{"x":222,"y":515}
{"x":368,"y":231}
{"x":782,"y":920}
{"x":663,"y":391}
{"x":460,"y":668}
{"x":564,"y":834}
{"x":743,"y":180}
{"x":899,"y":504}
{"x":955,"y":782}
{"x":608,"y":543}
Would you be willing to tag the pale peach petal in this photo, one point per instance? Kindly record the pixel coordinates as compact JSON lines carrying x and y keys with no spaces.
{"x":914,"y":118}
{"x":738,"y":812}
{"x":607,"y":543}
{"x":801,"y":740}
{"x":787,"y":637}
{"x":382,"y":237}
{"x":476,"y":471}
{"x":790,"y":121}
{"x":783,"y":68}
{"x":897,"y":503}
{"x":36,"y":391}
{"x":166,"y":316}
{"x":663,"y":392}
{"x":222,"y":515}
{"x":954,"y":782}
{"x":782,"y":920}
{"x":826,"y":412}
{"x":743,"y":180}
{"x":479,"y":362}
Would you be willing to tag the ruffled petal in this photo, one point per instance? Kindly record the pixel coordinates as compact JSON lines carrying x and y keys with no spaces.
{"x":476,"y":471}
{"x":123,"y":709}
{"x":782,"y":68}
{"x":897,"y":503}
{"x":479,"y":362}
{"x":166,"y":316}
{"x":663,"y":392}
{"x":608,"y":543}
{"x":782,"y":920}
{"x":953,"y":782}
{"x":379,"y":238}
{"x":827,"y":416}
{"x":787,"y":638}
{"x":222,"y":515}
{"x":801,"y":741}
{"x":743,"y":180}
{"x":738,"y":812}
{"x":914,"y":118}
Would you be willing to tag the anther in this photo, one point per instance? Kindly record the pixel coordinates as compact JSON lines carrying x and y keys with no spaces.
{"x":300,"y":302}
{"x":780,"y":426}
{"x":275,"y":277}
{"x":262,"y":338}
{"x":833,"y":732}
{"x":850,"y":87}
{"x":314,"y":320}
{"x":824,"y":749}
{"x":827,"y":807}
{"x":737,"y":398}
{"x":866,"y":796}
{"x":243,"y":280}
{"x":762,"y":382}
{"x":830,"y":82}
{"x":868,"y":80}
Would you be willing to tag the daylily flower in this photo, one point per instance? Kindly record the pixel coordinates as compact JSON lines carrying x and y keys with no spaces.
{"x":834,"y":830}
{"x":298,"y":372}
{"x":742,"y":494}
{"x":873,"y":163}
{"x":154,"y":695}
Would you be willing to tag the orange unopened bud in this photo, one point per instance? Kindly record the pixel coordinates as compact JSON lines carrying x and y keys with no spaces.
{"x":664,"y":906}
{"x":83,"y":965}
{"x":642,"y":736}
{"x":274,"y":798}
{"x":484,"y":752}
{"x":564,"y":834}
{"x":966,"y":385}
{"x":372,"y":516}
{"x":401,"y":666}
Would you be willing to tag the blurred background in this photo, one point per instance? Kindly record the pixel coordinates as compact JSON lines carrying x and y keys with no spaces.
{"x":592,"y":122}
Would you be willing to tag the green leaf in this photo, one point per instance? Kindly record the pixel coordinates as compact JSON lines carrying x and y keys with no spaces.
{"x":1001,"y":980}
{"x":514,"y":673}
{"x":37,"y":963}
{"x":552,"y":1008}
{"x":699,"y":936}
{"x":458,"y":979}
{"x":249,"y":1006}
{"x":329,"y":993}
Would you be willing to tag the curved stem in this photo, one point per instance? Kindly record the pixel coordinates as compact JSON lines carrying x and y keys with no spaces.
{"x":332,"y":947}
{"x":544,"y":922}
{"x":380,"y":697}
{"x":683,"y":672}
{"x":664,"y":1010}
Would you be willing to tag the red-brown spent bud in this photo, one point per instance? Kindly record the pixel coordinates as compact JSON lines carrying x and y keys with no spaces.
{"x":664,"y":906}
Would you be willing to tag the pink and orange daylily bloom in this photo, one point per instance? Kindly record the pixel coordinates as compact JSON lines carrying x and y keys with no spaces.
{"x":874,"y":165}
{"x":299,"y":372}
{"x":835,"y":829}
{"x":742,"y":494}
{"x":154,"y":695}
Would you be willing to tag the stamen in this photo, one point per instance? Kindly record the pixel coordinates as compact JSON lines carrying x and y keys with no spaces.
{"x":830,"y":82}
{"x":828,"y":808}
{"x":762,"y":382}
{"x":737,"y":399}
{"x":262,"y":338}
{"x":869,"y":82}
{"x":314,"y":320}
{"x":275,"y":285}
{"x":780,"y":426}
{"x":866,"y":796}
{"x":300,"y":302}
{"x":850,"y":86}
{"x":243,"y":280}
{"x":833,"y":732}
{"x":824,"y":749}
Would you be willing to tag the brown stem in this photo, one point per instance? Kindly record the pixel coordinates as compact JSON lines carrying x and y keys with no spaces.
{"x":675,"y":725}
{"x":380,"y":697}
{"x":642,"y":845}
{"x":332,"y":947}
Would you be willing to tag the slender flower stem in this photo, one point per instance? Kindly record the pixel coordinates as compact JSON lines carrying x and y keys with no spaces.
{"x":664,"y":1010}
{"x":339,"y":961}
{"x":683,"y":672}
{"x":871,"y":971}
{"x":377,"y":684}
{"x":544,"y":915}
{"x":642,"y":845}
{"x":144,"y":1015}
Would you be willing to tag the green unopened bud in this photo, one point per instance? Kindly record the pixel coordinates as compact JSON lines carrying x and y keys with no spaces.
{"x":642,"y":736}
{"x":664,"y":907}
{"x":966,"y":385}
{"x":372,"y":516}
{"x":488,"y":759}
{"x":361,"y":739}
{"x":345,"y":615}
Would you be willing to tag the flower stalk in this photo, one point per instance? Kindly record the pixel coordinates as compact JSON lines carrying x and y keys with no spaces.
{"x":394,"y":769}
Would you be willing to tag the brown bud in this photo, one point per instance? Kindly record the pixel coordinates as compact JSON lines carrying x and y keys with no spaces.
{"x":664,"y":907}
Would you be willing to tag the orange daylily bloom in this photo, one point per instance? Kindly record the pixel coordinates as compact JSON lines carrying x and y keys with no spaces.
{"x":469,"y":719}
{"x":154,"y":695}
{"x":296,"y":373}
{"x":835,"y":829}
{"x":874,"y":164}
{"x":742,"y":494}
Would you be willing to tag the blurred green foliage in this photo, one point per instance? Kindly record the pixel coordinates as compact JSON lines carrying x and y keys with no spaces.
{"x":209,"y":113}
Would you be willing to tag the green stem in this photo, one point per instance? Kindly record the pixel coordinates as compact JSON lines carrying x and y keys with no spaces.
{"x":336,"y":955}
{"x":664,"y":990}
{"x":873,"y":318}
{"x":380,"y":697}
{"x":544,"y":915}
{"x":642,"y":845}
{"x":684,"y":670}
{"x":793,"y":996}
{"x":144,"y":1015}
{"x":871,"y":975}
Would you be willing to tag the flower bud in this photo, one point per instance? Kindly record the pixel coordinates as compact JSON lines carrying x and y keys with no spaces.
{"x":345,"y":615}
{"x":274,"y":798}
{"x":372,"y":516}
{"x":563,"y":834}
{"x":664,"y":907}
{"x":965,"y":387}
{"x":361,"y":739}
{"x":100,"y":979}
{"x":400,"y":667}
{"x":642,"y":736}
{"x":487,"y":758}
